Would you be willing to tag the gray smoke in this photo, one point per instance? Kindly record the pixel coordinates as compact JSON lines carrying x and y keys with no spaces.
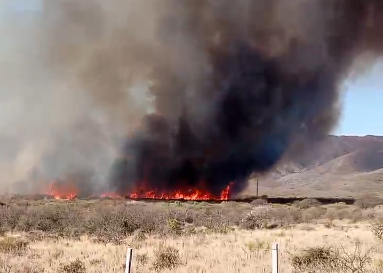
{"x":203,"y":90}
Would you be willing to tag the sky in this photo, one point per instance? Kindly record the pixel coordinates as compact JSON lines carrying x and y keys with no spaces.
{"x":362,"y":99}
{"x":362,"y":109}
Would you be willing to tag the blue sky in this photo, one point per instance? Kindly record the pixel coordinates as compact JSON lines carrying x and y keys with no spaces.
{"x":362,"y":112}
{"x":363,"y":105}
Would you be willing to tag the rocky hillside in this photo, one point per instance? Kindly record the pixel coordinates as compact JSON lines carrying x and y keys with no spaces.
{"x":339,"y":166}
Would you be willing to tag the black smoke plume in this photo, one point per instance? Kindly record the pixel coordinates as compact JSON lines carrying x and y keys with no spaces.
{"x":258,"y":102}
{"x":236,"y":86}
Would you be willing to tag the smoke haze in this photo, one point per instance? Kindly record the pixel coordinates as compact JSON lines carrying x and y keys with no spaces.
{"x":174,"y":94}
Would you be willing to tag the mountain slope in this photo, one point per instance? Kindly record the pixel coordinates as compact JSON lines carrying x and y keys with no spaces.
{"x":339,"y":166}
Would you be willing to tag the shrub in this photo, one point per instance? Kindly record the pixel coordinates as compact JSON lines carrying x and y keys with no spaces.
{"x":368,"y":201}
{"x":333,"y":260}
{"x":142,"y":259}
{"x":315,"y":258}
{"x":257,"y":218}
{"x":139,"y":235}
{"x":13,"y":245}
{"x":313,"y":213}
{"x":259,"y":202}
{"x":166,"y":257}
{"x":258,"y":246}
{"x":307,"y":203}
{"x":377,"y":228}
{"x":175,"y":226}
{"x":76,"y":266}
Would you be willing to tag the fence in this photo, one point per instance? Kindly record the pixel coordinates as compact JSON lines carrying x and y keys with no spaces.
{"x":274,"y":259}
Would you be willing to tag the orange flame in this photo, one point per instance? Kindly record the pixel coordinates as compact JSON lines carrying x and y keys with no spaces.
{"x":69,"y":191}
{"x":63,"y":191}
{"x":192,"y":194}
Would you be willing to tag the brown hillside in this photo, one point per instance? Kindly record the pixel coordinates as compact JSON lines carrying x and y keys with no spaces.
{"x":339,"y":166}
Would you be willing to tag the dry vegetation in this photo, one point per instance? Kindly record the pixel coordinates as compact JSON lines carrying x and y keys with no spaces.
{"x":92,"y":236}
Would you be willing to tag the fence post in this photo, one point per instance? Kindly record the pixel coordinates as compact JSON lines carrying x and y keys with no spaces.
{"x":129,"y":256}
{"x":275,"y":257}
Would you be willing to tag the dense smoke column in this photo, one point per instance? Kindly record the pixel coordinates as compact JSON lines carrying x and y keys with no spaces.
{"x":257,"y":110}
{"x":259,"y":104}
{"x":232,"y":88}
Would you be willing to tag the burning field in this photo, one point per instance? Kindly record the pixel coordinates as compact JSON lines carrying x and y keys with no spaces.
{"x":69,"y":191}
{"x":173,"y":99}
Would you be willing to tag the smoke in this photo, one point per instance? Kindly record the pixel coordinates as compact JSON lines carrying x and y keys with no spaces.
{"x":187,"y":93}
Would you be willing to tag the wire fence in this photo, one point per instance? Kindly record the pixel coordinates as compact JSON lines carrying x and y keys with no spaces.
{"x":277,"y":257}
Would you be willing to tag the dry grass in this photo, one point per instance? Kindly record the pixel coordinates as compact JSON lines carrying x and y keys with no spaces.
{"x":81,"y":237}
{"x":239,"y":251}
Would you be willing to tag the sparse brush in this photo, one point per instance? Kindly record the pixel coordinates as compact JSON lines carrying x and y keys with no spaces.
{"x":315,"y":259}
{"x":259,"y":202}
{"x":307,"y":203}
{"x":166,"y":257}
{"x":139,"y":236}
{"x":333,"y":260}
{"x":142,"y":259}
{"x":76,"y":266}
{"x":2,"y":232}
{"x":257,"y":218}
{"x":376,"y":227}
{"x":368,"y":201}
{"x":175,"y":226}
{"x":13,"y":245}
{"x":258,"y":245}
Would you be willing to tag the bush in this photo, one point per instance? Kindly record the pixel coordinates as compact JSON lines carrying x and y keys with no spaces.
{"x":257,"y":218}
{"x":307,"y":203}
{"x":76,"y":266}
{"x":166,"y":257}
{"x":333,"y":260}
{"x":313,"y":213}
{"x":142,"y":259}
{"x":377,"y":228}
{"x":366,"y":202}
{"x":13,"y":245}
{"x":175,"y":226}
{"x":258,"y":246}
{"x":113,"y":221}
{"x":316,"y":258}
{"x":259,"y":202}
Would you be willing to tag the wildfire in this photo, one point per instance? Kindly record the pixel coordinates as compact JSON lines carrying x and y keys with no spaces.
{"x":193,"y":194}
{"x":69,"y":191}
{"x":63,"y":191}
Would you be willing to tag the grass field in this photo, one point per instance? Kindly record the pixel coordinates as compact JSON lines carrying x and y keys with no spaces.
{"x":93,"y":236}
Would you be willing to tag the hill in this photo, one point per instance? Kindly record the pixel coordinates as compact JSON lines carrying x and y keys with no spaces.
{"x":340,"y":166}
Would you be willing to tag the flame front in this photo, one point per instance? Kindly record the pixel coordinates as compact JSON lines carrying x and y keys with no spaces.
{"x":69,"y":191}
{"x":193,"y":194}
{"x":63,"y":191}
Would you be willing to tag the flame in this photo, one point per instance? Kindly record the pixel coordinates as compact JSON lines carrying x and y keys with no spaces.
{"x":68,"y":191}
{"x":63,"y":191}
{"x":192,"y":194}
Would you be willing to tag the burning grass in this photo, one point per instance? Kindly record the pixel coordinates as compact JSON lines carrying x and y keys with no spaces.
{"x":69,"y":190}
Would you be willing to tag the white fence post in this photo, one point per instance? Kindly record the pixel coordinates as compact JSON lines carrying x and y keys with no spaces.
{"x":129,"y":257}
{"x":275,"y":258}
